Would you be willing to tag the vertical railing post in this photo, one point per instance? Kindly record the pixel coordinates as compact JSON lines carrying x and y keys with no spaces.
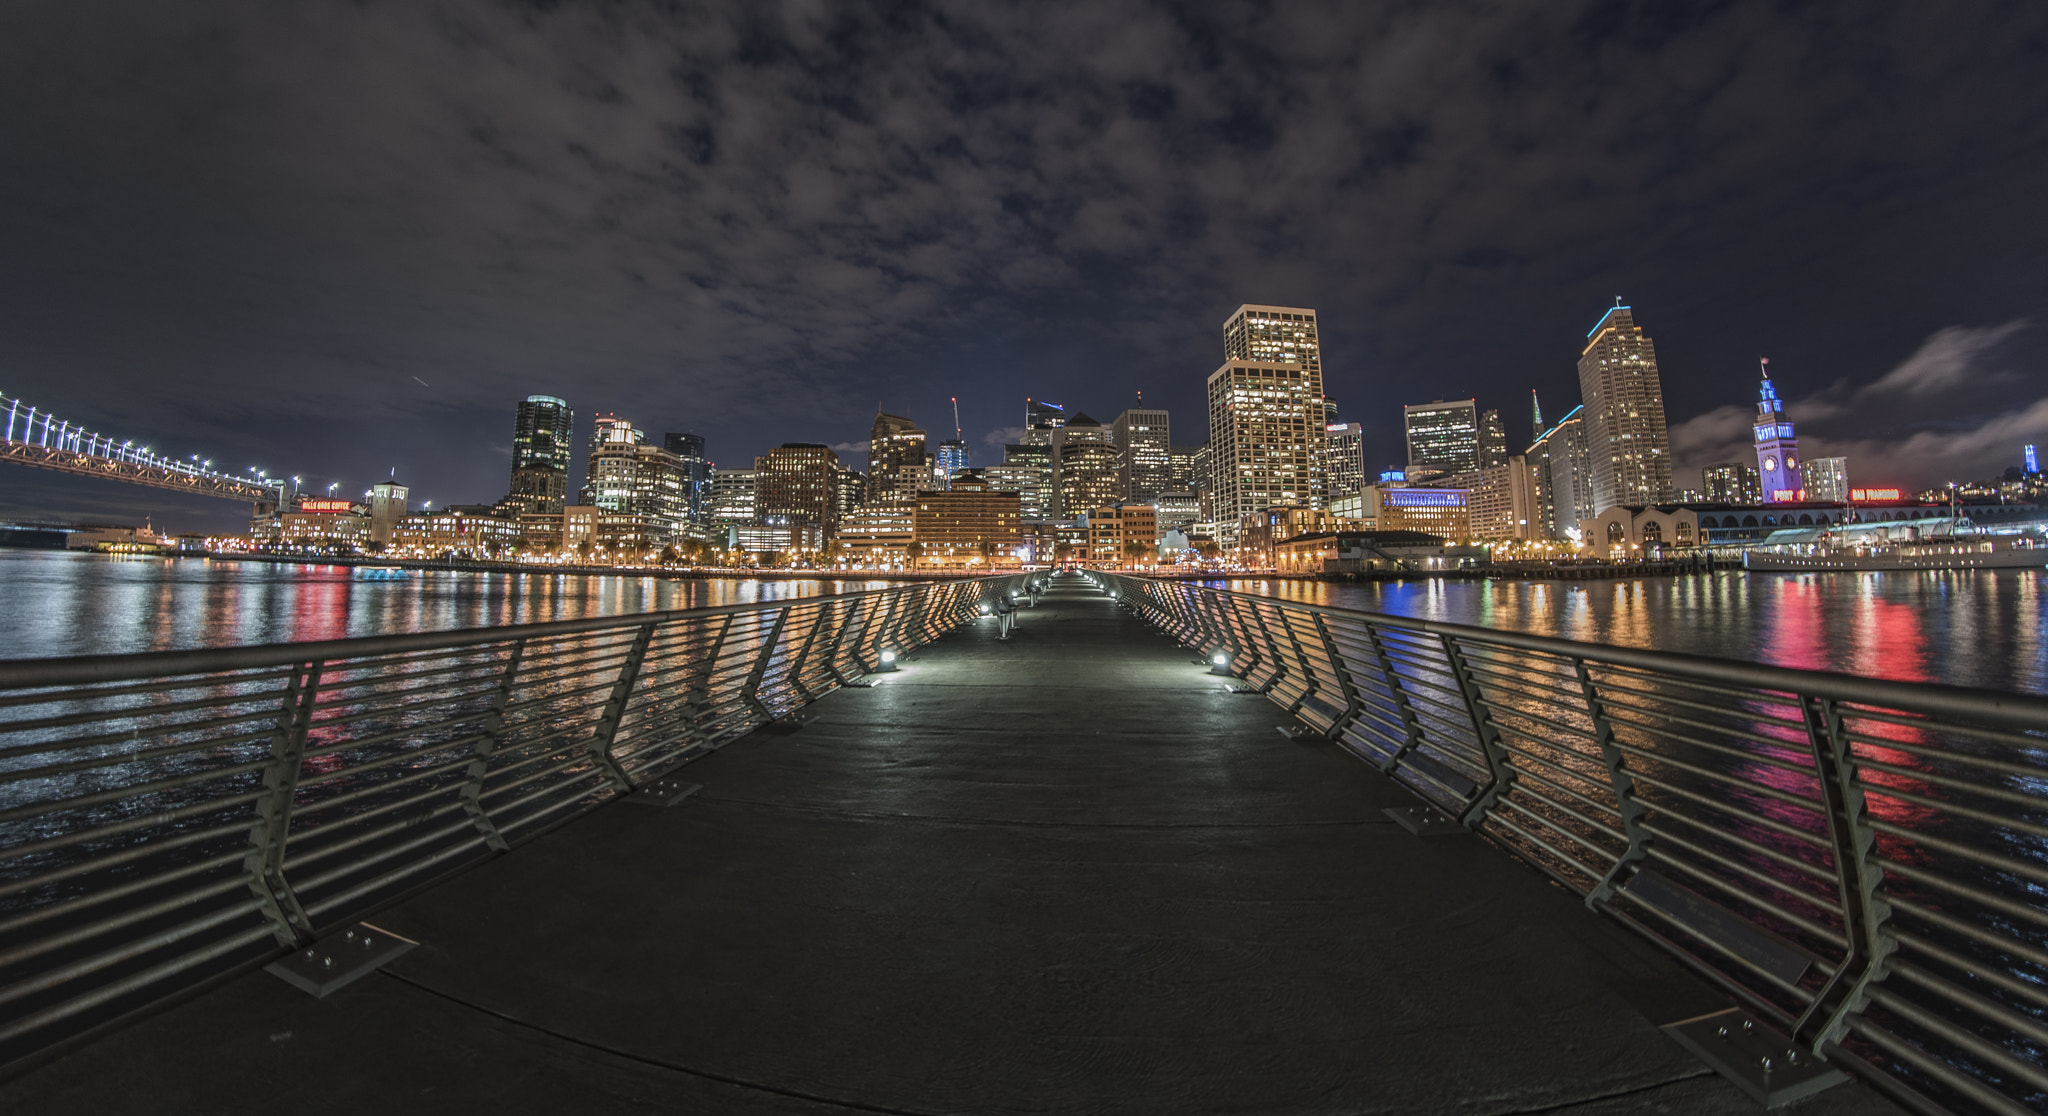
{"x":750,"y":690}
{"x":1311,"y":685}
{"x":1857,"y":874}
{"x":1342,"y":673}
{"x":1500,"y":775}
{"x":1410,"y":723}
{"x":1622,"y":783}
{"x":480,"y":757}
{"x":264,"y":864}
{"x":847,"y":612}
{"x":803,"y":654}
{"x":615,"y":710}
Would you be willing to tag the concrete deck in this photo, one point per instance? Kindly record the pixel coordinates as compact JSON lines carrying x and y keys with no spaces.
{"x":1066,"y":873}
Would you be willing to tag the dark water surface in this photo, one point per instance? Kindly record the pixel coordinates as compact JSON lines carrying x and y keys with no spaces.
{"x":54,"y":604}
{"x":1985,"y":628}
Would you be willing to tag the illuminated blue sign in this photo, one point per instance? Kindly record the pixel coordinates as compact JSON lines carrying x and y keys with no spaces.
{"x":1392,"y":475}
{"x":2033,"y":462}
{"x":1426,"y":498}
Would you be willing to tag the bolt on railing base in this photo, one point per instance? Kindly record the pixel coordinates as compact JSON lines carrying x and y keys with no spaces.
{"x":339,"y":959}
{"x":1757,"y":1060}
{"x":1425,"y":821}
{"x":665,"y":791}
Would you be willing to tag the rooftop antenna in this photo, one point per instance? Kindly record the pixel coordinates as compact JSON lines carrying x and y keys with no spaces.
{"x":956,"y":418}
{"x":1766,"y":362}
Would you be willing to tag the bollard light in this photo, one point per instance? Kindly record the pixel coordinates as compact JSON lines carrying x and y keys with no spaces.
{"x":888,"y":659}
{"x":1219,"y":663}
{"x":985,"y":609}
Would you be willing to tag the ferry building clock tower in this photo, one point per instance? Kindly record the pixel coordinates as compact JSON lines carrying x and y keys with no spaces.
{"x":1777,"y":448}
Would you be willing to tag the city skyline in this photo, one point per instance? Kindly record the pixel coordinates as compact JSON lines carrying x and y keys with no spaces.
{"x":293,"y":309}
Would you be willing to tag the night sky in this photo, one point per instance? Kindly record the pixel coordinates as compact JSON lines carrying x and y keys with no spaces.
{"x":337,"y":239}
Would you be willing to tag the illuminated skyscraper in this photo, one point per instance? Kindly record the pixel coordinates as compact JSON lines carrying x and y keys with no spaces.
{"x":1626,"y":437}
{"x":689,"y":451}
{"x":896,"y":459}
{"x":1147,"y":446}
{"x":1493,"y":441}
{"x":1443,"y":437}
{"x":542,"y":437}
{"x":1732,"y":482}
{"x":1087,"y":467}
{"x":1268,"y":430}
{"x":797,"y":483}
{"x":1825,"y":478}
{"x":1563,"y":468}
{"x":627,"y":475}
{"x":1040,"y":420}
{"x":1777,"y":447}
{"x":952,"y":459}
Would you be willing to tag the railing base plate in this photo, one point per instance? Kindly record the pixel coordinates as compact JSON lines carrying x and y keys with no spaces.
{"x":1425,"y":821}
{"x":1758,"y":1060}
{"x":665,"y":791}
{"x":340,"y":959}
{"x":1298,"y":732}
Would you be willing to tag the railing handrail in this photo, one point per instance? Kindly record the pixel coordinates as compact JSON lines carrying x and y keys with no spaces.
{"x":2003,"y":706}
{"x":129,"y":666}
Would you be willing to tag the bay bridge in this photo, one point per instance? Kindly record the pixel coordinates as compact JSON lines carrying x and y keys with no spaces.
{"x":1025,"y":844}
{"x":41,"y":440}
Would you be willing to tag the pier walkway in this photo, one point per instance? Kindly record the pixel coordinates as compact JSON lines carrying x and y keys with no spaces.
{"x":1070,"y":872}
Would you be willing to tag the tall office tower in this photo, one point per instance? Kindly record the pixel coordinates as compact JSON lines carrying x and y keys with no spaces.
{"x":797,"y":483}
{"x":896,"y":459}
{"x":850,"y":488}
{"x":1493,"y":441}
{"x":1268,"y":431}
{"x":1732,"y":483}
{"x":1826,"y":478}
{"x":1040,"y":420}
{"x":689,"y":451}
{"x":1777,"y":447}
{"x":627,"y":475}
{"x":1347,"y":461}
{"x":1087,"y":466}
{"x":542,"y":439}
{"x":1443,"y":437}
{"x":1184,"y":475}
{"x":952,"y":459}
{"x":1031,"y":483}
{"x":2030,"y":462}
{"x":1535,"y":416}
{"x":1147,"y":445}
{"x":1563,"y":471}
{"x":732,"y":497}
{"x":1624,"y":414}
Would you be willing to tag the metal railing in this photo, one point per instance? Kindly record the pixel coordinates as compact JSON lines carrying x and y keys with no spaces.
{"x":170,"y":818}
{"x":1863,"y":862}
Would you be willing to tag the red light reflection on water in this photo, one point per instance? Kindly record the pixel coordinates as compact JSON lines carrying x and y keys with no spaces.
{"x":319,"y":611}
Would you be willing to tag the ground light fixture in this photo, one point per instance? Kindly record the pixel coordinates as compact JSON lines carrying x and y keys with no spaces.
{"x":888,"y":661}
{"x":1219,"y":663}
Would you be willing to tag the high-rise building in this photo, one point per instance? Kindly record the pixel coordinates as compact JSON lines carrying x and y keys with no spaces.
{"x":1040,"y":420}
{"x":1347,"y":471}
{"x":1031,"y":483}
{"x":1535,"y":416}
{"x":1732,"y":483}
{"x":1563,"y":467}
{"x":627,"y":476}
{"x":1503,"y":504}
{"x":1493,"y":440}
{"x":387,"y":508}
{"x":972,"y":525}
{"x":1145,"y":438}
{"x":1777,"y":445}
{"x":1443,"y":436}
{"x":1268,"y":439}
{"x":732,"y":497}
{"x":795,"y":484}
{"x":542,"y":438}
{"x":896,"y":459}
{"x":1087,"y":466}
{"x":1630,"y":446}
{"x":689,"y":451}
{"x":1826,"y":478}
{"x":1186,"y":476}
{"x":952,"y":459}
{"x":851,"y":488}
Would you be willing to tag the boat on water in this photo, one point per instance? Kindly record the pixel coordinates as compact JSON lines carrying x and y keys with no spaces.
{"x":382,"y":573}
{"x":1944,"y":543}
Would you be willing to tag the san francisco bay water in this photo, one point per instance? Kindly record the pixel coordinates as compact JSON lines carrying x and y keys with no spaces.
{"x":1972,"y":628}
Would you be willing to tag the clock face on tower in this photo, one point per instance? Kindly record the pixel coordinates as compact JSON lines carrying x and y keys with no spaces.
{"x":1791,"y":462}
{"x":1770,"y":464}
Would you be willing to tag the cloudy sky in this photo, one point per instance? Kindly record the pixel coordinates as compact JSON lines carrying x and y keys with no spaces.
{"x":340,"y":239}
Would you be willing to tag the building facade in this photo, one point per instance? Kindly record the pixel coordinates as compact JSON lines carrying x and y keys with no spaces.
{"x":542,"y":436}
{"x":628,"y":476}
{"x":696,"y":469}
{"x":897,"y":460}
{"x":1443,"y":437}
{"x":1268,"y":429}
{"x":1731,"y":482}
{"x":1145,"y":438}
{"x":1626,"y":437}
{"x":967,"y":526}
{"x":1493,"y":440}
{"x":1502,"y":503}
{"x":1826,"y":479}
{"x":1031,"y":483}
{"x":953,"y":457}
{"x":1122,"y":534}
{"x":797,"y":482}
{"x":732,"y":497}
{"x":1087,"y":466}
{"x":1443,"y":512}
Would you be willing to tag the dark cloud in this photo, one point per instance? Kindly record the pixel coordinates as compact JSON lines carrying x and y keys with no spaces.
{"x":247,"y":228}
